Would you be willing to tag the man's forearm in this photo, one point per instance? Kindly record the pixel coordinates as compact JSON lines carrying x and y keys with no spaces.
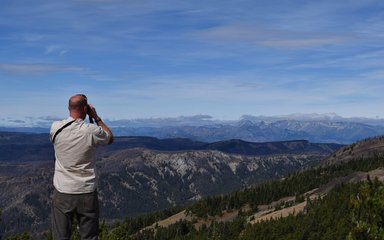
{"x":101,"y":124}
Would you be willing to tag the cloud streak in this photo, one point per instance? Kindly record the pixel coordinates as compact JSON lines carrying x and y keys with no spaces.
{"x":26,"y":69}
{"x":255,"y":35}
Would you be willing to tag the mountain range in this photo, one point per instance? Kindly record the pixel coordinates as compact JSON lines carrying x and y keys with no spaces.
{"x":310,"y":127}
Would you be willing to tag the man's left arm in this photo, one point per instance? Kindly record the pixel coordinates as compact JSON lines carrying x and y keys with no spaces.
{"x":93,"y":114}
{"x":103,"y":126}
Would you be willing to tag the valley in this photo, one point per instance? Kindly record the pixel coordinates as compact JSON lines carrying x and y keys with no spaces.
{"x":140,"y":174}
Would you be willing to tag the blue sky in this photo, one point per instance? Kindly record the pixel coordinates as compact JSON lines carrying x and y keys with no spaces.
{"x":141,"y":59}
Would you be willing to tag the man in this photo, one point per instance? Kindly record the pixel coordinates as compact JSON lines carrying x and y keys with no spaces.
{"x":75,"y":193}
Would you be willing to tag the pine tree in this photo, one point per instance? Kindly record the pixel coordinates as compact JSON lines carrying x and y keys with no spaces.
{"x":368,"y":212}
{"x":215,"y":234}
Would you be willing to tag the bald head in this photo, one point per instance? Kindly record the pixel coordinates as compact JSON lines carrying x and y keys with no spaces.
{"x":77,"y":106}
{"x":77,"y":102}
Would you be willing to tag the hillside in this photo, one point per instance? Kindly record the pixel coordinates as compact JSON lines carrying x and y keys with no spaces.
{"x":29,"y":147}
{"x":280,"y":208}
{"x":163,"y":179}
{"x":135,"y":180}
{"x":322,"y":203}
{"x":359,"y":150}
{"x":25,"y":147}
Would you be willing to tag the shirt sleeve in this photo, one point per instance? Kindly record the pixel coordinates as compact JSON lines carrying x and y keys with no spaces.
{"x":99,"y":136}
{"x":52,"y":130}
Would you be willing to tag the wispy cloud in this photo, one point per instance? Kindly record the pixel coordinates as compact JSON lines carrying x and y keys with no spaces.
{"x":26,"y":69}
{"x":32,"y":37}
{"x":249,"y":85}
{"x":258,"y":35}
{"x":54,"y":49}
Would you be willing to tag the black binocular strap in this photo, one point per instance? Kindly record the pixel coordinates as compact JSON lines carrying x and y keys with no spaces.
{"x":61,"y":129}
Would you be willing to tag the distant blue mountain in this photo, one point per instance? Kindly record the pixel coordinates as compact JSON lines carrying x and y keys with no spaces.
{"x":311,"y":127}
{"x":261,"y":131}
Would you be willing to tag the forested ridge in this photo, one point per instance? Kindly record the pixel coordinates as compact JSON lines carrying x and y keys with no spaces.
{"x":349,"y":211}
{"x":335,"y":216}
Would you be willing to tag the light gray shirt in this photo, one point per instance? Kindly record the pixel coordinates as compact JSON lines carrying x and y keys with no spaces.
{"x":75,"y":152}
